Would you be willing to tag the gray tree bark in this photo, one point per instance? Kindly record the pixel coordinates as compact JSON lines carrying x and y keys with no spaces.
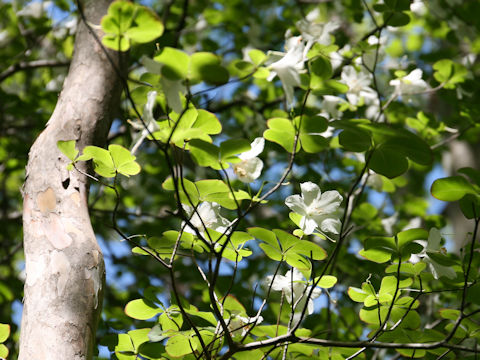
{"x":64,"y":263}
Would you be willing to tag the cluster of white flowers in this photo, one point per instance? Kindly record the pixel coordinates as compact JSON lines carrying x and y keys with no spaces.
{"x":250,"y":168}
{"x":291,"y":63}
{"x":289,"y":67}
{"x":409,"y":84}
{"x":239,"y":325}
{"x":358,"y":83}
{"x":318,"y":211}
{"x":294,"y":287}
{"x":206,"y":216}
{"x":35,"y":9}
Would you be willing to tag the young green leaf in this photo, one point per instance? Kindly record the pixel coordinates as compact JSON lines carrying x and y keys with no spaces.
{"x":123,"y":160}
{"x":451,"y":188}
{"x":68,"y":149}
{"x":141,"y":309}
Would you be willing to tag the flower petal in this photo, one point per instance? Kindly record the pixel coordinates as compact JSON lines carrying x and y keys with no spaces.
{"x":248,"y":170}
{"x":310,"y":192}
{"x":309,"y":225}
{"x":330,"y":201}
{"x":256,"y":149}
{"x":331,"y":225}
{"x":296,"y":204}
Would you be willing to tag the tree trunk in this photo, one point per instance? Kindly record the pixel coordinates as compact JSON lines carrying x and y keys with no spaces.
{"x":64,"y":264}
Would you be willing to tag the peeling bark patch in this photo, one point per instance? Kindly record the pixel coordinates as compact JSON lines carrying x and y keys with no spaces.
{"x":54,"y":230}
{"x":75,"y":198}
{"x":60,"y":266}
{"x":94,"y":281}
{"x":46,"y":200}
{"x":35,"y":269}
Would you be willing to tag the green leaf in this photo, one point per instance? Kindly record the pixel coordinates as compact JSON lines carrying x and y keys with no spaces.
{"x":450,"y":314}
{"x":4,"y":332}
{"x":386,"y":161}
{"x":249,"y":355}
{"x":449,"y":73}
{"x":264,"y":235}
{"x":407,"y":268}
{"x":141,"y":309}
{"x":451,"y":188}
{"x":282,"y":132}
{"x":311,"y":128}
{"x":356,"y":294}
{"x":171,"y":319}
{"x":124,"y":348}
{"x":327,"y":87}
{"x":3,"y":351}
{"x":257,"y":56}
{"x":232,"y":147}
{"x":407,"y":236}
{"x":356,"y":140}
{"x":116,"y":23}
{"x":117,"y":43}
{"x":118,"y":18}
{"x":188,"y":191}
{"x":327,"y":281}
{"x":233,"y":306}
{"x":473,"y":174}
{"x":206,"y":67}
{"x":272,"y":252}
{"x":376,"y":255}
{"x":138,"y":337}
{"x":396,"y":19}
{"x":175,"y":63}
{"x":147,"y":27}
{"x":321,"y":67}
{"x":102,"y":160}
{"x":68,"y":149}
{"x":205,"y":153}
{"x":241,"y":68}
{"x":123,"y":160}
{"x":470,"y":206}
{"x":207,"y":122}
{"x":308,"y":249}
{"x":180,"y":345}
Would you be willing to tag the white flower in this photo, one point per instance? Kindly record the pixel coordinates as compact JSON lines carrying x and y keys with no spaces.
{"x":374,"y":112}
{"x":250,"y":168}
{"x":207,"y":216}
{"x":294,"y":282}
{"x":418,"y":7}
{"x":410,"y":84}
{"x":358,"y":85}
{"x":330,"y":107}
{"x":432,"y":245}
{"x":239,"y":325}
{"x":318,"y":210}
{"x":314,"y":30}
{"x":148,"y":120}
{"x":35,"y":9}
{"x":337,"y":57}
{"x":288,"y":68}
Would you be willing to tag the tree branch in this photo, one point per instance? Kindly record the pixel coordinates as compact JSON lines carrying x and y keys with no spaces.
{"x":27,"y":65}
